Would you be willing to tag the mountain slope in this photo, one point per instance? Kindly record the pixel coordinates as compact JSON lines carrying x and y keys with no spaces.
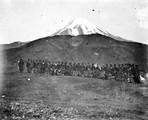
{"x":83,"y":48}
{"x":13,"y":45}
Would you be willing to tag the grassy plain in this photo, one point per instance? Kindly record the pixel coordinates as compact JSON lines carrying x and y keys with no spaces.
{"x":95,"y":99}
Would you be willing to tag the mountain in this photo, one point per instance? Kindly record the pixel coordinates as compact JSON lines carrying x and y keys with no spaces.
{"x":94,"y":48}
{"x":80,"y":26}
{"x":80,"y":41}
{"x":13,"y":45}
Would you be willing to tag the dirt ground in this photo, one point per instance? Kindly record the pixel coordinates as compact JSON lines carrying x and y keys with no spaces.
{"x":88,"y":98}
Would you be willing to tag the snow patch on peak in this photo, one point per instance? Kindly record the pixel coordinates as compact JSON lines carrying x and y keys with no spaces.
{"x":80,"y":26}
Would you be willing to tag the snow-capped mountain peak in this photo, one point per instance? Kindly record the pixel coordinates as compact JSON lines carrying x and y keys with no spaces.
{"x":80,"y":26}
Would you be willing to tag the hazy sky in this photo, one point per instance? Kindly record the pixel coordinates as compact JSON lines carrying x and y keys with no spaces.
{"x":25,"y":20}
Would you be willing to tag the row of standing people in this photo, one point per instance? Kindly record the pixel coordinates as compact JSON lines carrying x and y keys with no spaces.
{"x":121,"y":72}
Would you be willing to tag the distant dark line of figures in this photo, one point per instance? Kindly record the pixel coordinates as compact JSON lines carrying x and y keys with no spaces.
{"x":121,"y":72}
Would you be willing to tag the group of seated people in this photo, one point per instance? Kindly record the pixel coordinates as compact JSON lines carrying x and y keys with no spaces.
{"x":120,"y":72}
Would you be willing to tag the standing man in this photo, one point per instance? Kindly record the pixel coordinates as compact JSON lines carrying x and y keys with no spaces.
{"x":21,"y":65}
{"x":28,"y":65}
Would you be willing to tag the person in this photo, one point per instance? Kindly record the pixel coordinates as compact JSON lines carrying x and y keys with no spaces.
{"x":21,"y":65}
{"x":43,"y":67}
{"x":34,"y":66}
{"x":28,"y":65}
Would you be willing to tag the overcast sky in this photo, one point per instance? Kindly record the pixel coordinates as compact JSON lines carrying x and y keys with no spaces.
{"x":25,"y":20}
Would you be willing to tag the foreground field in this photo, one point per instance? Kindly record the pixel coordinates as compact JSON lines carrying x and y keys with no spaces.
{"x":77,"y":98}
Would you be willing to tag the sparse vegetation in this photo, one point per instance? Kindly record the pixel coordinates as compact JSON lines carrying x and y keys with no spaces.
{"x":60,"y":97}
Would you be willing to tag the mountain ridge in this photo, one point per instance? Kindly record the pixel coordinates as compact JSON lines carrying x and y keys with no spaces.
{"x":80,"y":26}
